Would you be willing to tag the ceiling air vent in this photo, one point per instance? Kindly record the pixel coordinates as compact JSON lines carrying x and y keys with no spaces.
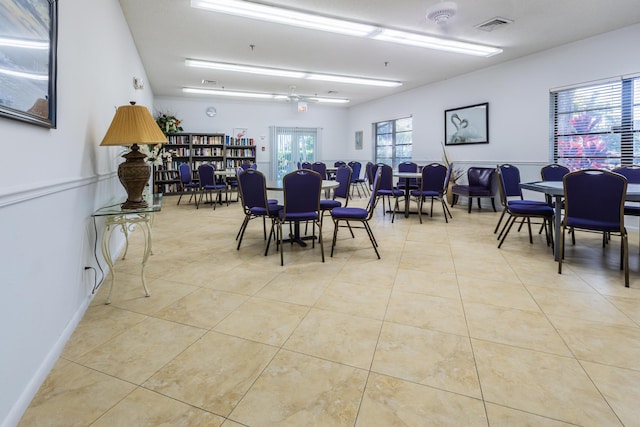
{"x":494,"y":23}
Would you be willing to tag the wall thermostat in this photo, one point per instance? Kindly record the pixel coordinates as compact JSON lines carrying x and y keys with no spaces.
{"x":211,"y":112}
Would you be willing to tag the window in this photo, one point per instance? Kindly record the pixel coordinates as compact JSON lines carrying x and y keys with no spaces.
{"x":394,"y":141}
{"x":292,"y":146}
{"x":596,"y":126}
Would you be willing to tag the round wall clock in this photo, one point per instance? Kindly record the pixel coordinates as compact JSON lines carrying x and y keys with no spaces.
{"x":211,"y":112}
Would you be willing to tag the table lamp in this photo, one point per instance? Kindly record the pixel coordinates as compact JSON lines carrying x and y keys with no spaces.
{"x":134,"y":125}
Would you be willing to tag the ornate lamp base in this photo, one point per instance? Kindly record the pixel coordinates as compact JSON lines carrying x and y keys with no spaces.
{"x":134,"y":175}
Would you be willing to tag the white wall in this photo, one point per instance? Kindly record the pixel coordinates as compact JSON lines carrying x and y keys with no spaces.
{"x":256,"y":117}
{"x":51,"y":180}
{"x":518,"y":97}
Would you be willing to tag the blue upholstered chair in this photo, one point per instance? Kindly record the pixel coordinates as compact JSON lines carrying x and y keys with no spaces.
{"x":512,"y":192}
{"x":553,"y":172}
{"x":305,"y":165}
{"x":352,"y":214}
{"x":301,"y":203}
{"x":408,"y":167}
{"x":209,"y":185}
{"x":253,"y":195}
{"x":386,"y":187}
{"x":356,"y":182}
{"x":594,"y":201}
{"x":433,"y":185}
{"x":343,"y":178}
{"x":509,"y":186}
{"x":632,"y":173}
{"x":187,"y":184}
{"x":481,"y":183}
{"x":321,"y":168}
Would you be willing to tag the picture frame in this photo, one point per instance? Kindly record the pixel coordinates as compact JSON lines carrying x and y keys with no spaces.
{"x":28,"y":61}
{"x":358,"y":140}
{"x":467,"y":125}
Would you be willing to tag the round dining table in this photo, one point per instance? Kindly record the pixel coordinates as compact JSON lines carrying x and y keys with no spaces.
{"x":407,"y":175}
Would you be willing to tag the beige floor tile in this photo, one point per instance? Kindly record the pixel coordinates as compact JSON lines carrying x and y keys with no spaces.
{"x":546,"y":349}
{"x":434,"y":283}
{"x":214,"y":373}
{"x":338,"y":337}
{"x":620,"y":387}
{"x":146,"y":408}
{"x":431,"y":358}
{"x":496,"y":292}
{"x":162,"y":293}
{"x":73,"y":395}
{"x":423,"y":311}
{"x":139,"y":352}
{"x":330,"y":396}
{"x":359,"y":300}
{"x":203,"y":308}
{"x":549,"y":385}
{"x":501,"y":416}
{"x":390,"y":402}
{"x":99,"y":324}
{"x":583,"y":305}
{"x":294,"y":288}
{"x":613,"y":345}
{"x":266,"y":321}
{"x":519,"y":328}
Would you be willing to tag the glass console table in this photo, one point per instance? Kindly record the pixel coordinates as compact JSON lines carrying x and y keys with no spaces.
{"x":126,"y":219}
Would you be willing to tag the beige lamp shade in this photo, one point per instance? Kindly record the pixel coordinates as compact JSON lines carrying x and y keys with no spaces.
{"x":133,"y":124}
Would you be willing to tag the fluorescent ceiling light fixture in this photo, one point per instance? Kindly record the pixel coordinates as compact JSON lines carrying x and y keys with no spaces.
{"x":260,"y":95}
{"x":23,"y":75}
{"x":285,"y":16}
{"x":26,"y":44}
{"x":237,"y":94}
{"x":280,"y":72}
{"x":297,"y":18}
{"x":244,"y":68}
{"x":431,"y":42}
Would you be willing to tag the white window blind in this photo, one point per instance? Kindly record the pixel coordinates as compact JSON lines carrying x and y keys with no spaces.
{"x":596,"y":125}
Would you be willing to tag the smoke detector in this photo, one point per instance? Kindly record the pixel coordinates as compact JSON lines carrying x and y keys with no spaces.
{"x":442,"y":12}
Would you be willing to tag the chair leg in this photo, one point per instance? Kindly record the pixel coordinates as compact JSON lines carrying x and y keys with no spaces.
{"x":373,"y":239}
{"x":243,"y":227}
{"x":561,"y":250}
{"x":504,"y":211}
{"x":335,"y":235}
{"x":420,"y":201}
{"x":510,"y":222}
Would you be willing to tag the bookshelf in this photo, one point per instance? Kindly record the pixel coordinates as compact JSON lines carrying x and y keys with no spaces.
{"x":224,"y":151}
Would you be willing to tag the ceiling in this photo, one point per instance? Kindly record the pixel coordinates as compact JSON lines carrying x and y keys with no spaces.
{"x":166,"y":32}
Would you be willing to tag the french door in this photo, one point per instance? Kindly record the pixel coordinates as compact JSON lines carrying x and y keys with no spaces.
{"x":291,"y":146}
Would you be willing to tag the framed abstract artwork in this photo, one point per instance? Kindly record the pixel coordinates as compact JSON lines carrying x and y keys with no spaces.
{"x":28,"y":42}
{"x":467,"y":125}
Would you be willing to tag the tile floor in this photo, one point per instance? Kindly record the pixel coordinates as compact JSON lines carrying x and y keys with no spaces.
{"x":446,"y":329}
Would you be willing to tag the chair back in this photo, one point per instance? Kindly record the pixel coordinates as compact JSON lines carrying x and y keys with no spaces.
{"x":343,"y":178}
{"x":339,"y":163}
{"x":301,"y":192}
{"x":373,"y":199}
{"x":252,"y":186}
{"x":632,"y":173}
{"x":306,"y":165}
{"x":434,"y":177}
{"x":206,"y":174}
{"x":184,"y":170}
{"x":553,"y":172}
{"x":407,"y":167}
{"x":369,"y":173}
{"x":510,"y":180}
{"x":386,"y":179}
{"x":321,"y":168}
{"x":594,"y":199}
{"x":248,"y":165}
{"x":356,"y":167}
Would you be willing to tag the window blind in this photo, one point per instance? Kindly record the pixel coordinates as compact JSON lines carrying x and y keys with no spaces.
{"x":596,"y":125}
